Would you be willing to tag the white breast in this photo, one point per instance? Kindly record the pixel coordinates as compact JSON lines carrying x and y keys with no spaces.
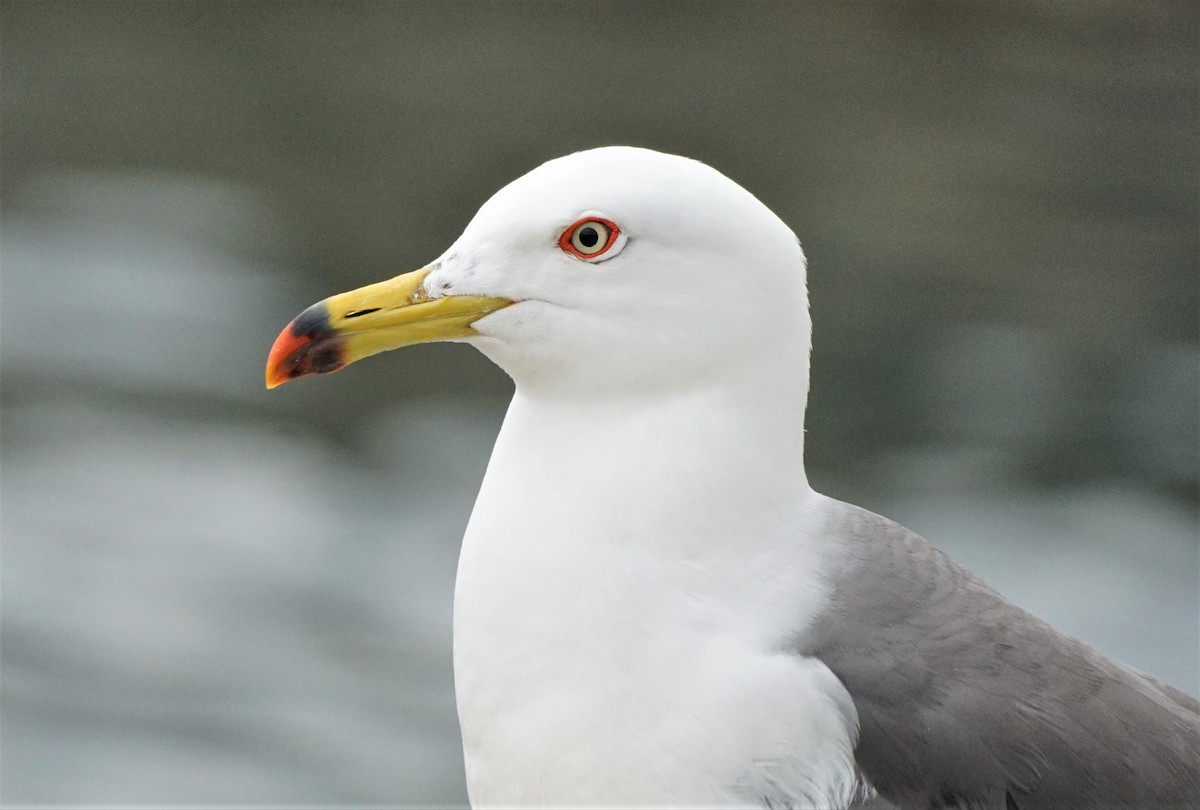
{"x":608,"y":654}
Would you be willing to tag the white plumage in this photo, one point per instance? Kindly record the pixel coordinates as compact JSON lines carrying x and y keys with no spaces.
{"x":645,"y":544}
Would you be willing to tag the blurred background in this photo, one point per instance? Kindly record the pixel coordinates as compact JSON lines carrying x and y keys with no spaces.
{"x":213,"y":594}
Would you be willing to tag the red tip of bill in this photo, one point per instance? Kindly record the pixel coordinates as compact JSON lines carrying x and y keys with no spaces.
{"x":307,"y":345}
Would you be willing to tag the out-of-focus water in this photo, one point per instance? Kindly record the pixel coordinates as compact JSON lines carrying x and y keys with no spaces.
{"x":209,"y":609}
{"x":215,"y":595}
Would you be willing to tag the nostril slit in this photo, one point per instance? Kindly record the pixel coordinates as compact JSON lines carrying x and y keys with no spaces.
{"x":354,"y":313}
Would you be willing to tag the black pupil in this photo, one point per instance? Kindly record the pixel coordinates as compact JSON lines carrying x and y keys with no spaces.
{"x":589,"y":236}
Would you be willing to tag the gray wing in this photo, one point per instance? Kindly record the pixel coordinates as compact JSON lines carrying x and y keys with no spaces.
{"x":964,"y":700}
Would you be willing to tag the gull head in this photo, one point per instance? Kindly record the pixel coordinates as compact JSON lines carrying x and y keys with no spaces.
{"x":607,"y":271}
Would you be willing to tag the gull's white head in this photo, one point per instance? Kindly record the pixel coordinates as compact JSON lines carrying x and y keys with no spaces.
{"x":611,"y":270}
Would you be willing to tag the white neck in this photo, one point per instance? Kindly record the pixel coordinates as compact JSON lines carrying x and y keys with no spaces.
{"x":692,"y":436}
{"x":613,"y":553}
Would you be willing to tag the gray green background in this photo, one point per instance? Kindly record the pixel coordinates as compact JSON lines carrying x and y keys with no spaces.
{"x":216,"y":595}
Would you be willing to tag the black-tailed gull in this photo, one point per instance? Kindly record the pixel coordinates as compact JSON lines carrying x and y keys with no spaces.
{"x":653,"y":607}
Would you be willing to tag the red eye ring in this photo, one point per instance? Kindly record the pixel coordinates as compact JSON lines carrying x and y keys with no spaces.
{"x":604,"y":234}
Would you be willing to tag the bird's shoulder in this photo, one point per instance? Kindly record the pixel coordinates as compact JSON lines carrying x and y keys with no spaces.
{"x":965,"y":700}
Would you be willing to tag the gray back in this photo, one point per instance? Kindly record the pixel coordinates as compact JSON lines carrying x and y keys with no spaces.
{"x":965,"y":700}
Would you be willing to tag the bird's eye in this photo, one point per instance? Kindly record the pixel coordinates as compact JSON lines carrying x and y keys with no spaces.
{"x":589,"y":238}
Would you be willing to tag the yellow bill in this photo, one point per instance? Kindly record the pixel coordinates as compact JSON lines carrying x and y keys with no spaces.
{"x":344,"y":328}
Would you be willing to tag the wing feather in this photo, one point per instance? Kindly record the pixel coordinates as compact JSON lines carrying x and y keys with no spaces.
{"x":965,"y":700}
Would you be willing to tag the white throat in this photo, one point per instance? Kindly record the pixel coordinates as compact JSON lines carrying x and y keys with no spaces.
{"x":613,"y":556}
